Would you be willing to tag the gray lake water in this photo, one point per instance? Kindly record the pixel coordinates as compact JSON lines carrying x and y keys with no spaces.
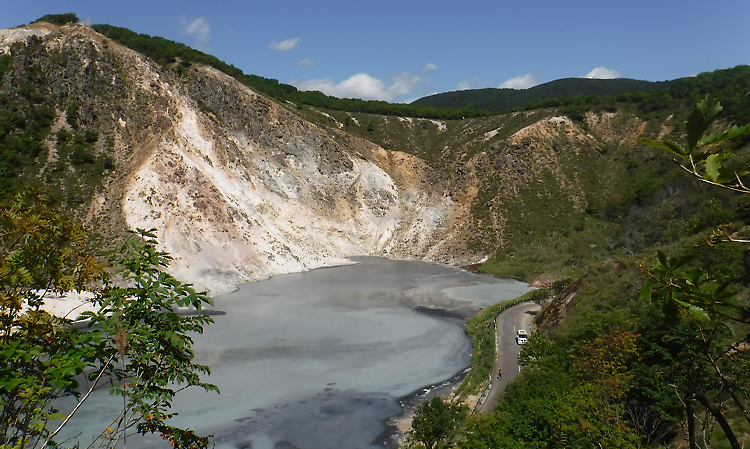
{"x":320,"y":359}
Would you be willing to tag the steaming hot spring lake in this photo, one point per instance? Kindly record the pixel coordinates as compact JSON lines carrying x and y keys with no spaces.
{"x":320,"y":359}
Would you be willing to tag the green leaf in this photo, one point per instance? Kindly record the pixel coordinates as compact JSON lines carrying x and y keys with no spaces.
{"x":698,"y":122}
{"x":646,"y":290}
{"x":694,"y":276}
{"x":698,"y":311}
{"x":693,"y":309}
{"x":734,"y":131}
{"x":661,"y":260}
{"x":680,"y":261}
{"x":713,"y":166}
{"x":715,"y":172}
{"x":672,"y":147}
{"x":729,"y":326}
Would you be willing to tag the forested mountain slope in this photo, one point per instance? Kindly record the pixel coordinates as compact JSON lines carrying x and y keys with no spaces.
{"x":82,"y":116}
{"x":575,"y":94}
{"x":504,"y":100}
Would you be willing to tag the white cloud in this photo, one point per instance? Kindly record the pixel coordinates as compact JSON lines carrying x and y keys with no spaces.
{"x":602,"y":73}
{"x":305,"y":62}
{"x":402,"y":85}
{"x":286,"y":45}
{"x":520,"y":82}
{"x":200,"y":29}
{"x":467,"y":84}
{"x":429,"y":67}
{"x":363,"y":86}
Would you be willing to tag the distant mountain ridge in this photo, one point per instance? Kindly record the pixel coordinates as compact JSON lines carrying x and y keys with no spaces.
{"x":575,"y":94}
{"x":504,"y":100}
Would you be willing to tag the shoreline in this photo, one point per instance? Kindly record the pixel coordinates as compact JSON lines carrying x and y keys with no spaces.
{"x":395,"y":427}
{"x":398,"y":425}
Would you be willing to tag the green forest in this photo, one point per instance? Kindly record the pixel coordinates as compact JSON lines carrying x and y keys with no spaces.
{"x":575,"y":94}
{"x":178,"y":57}
{"x":504,"y":100}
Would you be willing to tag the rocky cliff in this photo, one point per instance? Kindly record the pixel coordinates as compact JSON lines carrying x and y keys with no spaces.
{"x":239,"y":187}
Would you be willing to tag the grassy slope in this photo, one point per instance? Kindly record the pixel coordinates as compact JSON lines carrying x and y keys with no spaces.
{"x":630,"y":200}
{"x":634,"y":199}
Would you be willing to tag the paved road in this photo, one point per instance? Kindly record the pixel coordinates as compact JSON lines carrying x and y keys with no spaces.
{"x":517,"y":317}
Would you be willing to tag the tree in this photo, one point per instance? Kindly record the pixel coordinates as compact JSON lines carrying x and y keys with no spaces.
{"x":40,"y":252}
{"x":137,"y":325}
{"x":699,"y":307}
{"x":537,"y":348}
{"x":487,"y":431}
{"x":435,"y":422}
{"x":134,"y":341}
{"x":60,"y":19}
{"x":606,"y":360}
{"x":588,"y":416}
{"x":540,"y":296}
{"x":703,"y":159}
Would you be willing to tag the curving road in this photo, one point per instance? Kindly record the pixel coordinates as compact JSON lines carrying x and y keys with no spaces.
{"x":517,"y":317}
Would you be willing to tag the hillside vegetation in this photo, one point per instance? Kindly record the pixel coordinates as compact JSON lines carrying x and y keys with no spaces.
{"x":178,"y":57}
{"x":642,"y":343}
{"x":729,"y":86}
{"x":576,"y":200}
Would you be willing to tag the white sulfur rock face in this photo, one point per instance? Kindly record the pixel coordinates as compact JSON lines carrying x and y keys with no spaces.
{"x":230,"y":210}
{"x":11,"y":35}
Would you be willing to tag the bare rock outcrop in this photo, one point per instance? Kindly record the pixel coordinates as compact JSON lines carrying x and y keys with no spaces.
{"x":239,"y":187}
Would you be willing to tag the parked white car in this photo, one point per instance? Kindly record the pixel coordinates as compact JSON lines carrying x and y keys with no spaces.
{"x":522,"y":337}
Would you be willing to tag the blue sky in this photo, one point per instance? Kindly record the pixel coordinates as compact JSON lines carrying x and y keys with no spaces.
{"x":403,"y":50}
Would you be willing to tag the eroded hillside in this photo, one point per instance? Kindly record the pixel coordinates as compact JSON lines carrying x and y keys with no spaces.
{"x":538,"y":178}
{"x":240,"y":187}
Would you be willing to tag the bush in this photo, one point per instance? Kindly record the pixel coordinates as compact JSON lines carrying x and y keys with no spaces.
{"x":435,"y":422}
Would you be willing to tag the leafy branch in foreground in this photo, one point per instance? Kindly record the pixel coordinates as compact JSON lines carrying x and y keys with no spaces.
{"x":40,"y":253}
{"x":703,"y":160}
{"x":135,"y":341}
{"x":138,"y":326}
{"x":701,"y":311}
